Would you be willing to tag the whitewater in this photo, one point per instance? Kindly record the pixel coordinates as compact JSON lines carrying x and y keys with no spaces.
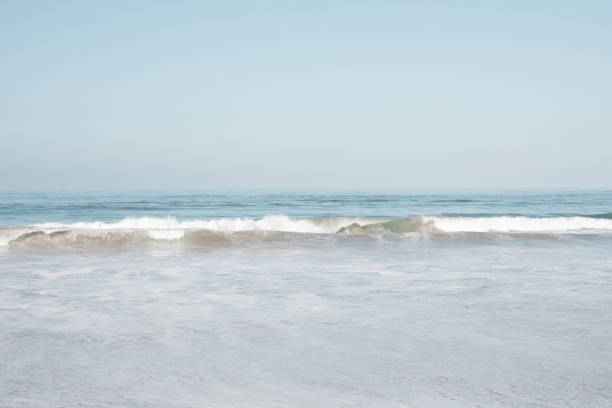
{"x":136,"y":230}
{"x":301,"y":299}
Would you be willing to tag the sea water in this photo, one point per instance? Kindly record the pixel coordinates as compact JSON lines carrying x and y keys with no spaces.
{"x":306,"y":299}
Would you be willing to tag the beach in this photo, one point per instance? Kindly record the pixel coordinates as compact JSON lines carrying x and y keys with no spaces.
{"x":361,"y":299}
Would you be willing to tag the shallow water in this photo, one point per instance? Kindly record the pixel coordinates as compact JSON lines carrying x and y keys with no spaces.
{"x":248,"y":317}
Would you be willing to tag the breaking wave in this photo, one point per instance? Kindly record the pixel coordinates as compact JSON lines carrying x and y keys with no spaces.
{"x":135,"y":231}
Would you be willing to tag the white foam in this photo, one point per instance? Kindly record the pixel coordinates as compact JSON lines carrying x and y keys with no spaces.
{"x":519,"y":224}
{"x":268,"y":223}
{"x":172,"y":229}
{"x":166,"y":234}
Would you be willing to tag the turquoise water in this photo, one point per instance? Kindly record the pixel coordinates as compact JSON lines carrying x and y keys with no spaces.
{"x":270,"y":299}
{"x":19,"y":208}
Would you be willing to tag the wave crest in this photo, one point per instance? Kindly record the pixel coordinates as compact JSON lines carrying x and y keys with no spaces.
{"x":134,"y":231}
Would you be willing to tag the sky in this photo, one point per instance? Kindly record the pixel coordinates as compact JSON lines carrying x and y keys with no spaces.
{"x":305,"y":95}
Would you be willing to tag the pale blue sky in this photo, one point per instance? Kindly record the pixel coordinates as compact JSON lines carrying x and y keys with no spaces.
{"x":330,"y":94}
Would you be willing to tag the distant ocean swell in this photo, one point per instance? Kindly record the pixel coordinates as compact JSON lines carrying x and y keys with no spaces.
{"x":229,"y":231}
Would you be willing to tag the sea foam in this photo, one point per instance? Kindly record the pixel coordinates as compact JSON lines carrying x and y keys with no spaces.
{"x":284,"y":223}
{"x":135,"y":230}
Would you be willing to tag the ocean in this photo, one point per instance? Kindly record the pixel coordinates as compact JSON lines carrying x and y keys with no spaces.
{"x":306,"y":299}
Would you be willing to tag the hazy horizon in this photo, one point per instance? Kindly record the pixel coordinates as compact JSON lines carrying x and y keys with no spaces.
{"x":309,"y":96}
